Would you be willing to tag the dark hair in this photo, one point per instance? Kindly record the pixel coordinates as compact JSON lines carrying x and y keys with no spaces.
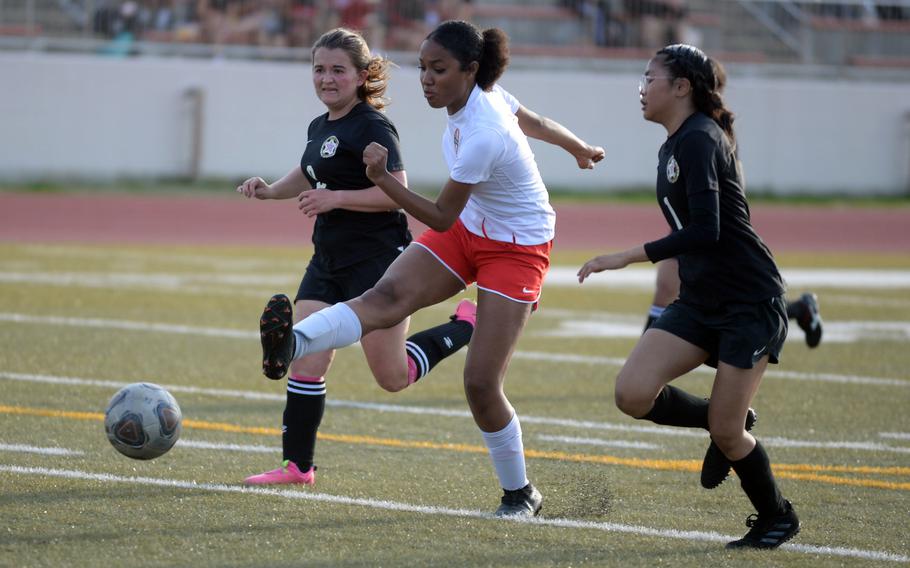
{"x":373,"y":89}
{"x":707,"y":78}
{"x":466,"y":43}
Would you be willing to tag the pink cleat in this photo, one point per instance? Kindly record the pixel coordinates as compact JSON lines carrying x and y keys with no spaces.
{"x":288,"y":473}
{"x":466,"y":310}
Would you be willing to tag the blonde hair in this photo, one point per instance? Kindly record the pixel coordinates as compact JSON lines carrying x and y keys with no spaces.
{"x":373,"y":89}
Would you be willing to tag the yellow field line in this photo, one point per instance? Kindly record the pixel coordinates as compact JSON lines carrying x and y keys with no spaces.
{"x":805,"y":472}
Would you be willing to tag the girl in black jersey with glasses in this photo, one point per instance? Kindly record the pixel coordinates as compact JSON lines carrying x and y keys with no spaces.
{"x":730,"y":312}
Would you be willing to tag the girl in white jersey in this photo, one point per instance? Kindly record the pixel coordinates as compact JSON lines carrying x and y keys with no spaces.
{"x":491,"y":224}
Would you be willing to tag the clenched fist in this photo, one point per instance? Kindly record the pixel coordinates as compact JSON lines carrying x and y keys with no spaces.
{"x":375,"y":157}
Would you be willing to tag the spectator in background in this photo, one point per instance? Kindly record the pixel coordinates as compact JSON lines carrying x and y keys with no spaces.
{"x":659,"y":22}
{"x":405,"y":24}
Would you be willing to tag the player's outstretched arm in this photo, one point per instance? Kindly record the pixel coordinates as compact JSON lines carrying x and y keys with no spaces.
{"x":552,"y":132}
{"x":613,"y":261}
{"x":285,"y":188}
{"x":369,"y":200}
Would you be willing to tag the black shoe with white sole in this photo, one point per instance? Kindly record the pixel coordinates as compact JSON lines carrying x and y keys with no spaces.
{"x":769,"y":532}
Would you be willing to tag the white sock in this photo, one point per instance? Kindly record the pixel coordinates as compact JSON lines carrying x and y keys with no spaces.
{"x":508,"y":455}
{"x":329,"y":328}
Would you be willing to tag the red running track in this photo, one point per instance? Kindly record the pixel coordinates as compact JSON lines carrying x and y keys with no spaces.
{"x":231,"y":219}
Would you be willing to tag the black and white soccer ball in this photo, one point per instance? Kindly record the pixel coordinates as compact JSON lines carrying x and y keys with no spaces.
{"x":143,"y":421}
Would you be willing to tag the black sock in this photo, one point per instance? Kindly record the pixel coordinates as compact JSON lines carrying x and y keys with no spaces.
{"x":755,"y":475}
{"x":676,"y":407}
{"x":429,"y":347}
{"x":302,"y":416}
{"x":794,"y":310}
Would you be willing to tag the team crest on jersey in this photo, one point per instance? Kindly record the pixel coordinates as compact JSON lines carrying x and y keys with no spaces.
{"x":329,"y":147}
{"x":457,"y":139}
{"x":672,"y":170}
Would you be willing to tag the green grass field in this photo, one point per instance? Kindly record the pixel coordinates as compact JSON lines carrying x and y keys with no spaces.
{"x":409,"y":483}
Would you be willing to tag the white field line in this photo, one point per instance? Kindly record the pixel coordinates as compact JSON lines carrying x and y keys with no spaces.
{"x":866,"y":446}
{"x":692,"y":536}
{"x":643,"y":278}
{"x":52,"y":451}
{"x":895,"y":435}
{"x":102,"y":323}
{"x":872,"y":302}
{"x":835,"y":332}
{"x":558,"y":276}
{"x":599,"y":442}
{"x":113,"y":386}
{"x":200,"y":445}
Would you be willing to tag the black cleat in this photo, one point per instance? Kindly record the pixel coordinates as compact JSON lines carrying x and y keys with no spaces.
{"x":524,"y":502}
{"x":276,"y":331}
{"x":716,"y":467}
{"x":769,"y":532}
{"x":809,"y":319}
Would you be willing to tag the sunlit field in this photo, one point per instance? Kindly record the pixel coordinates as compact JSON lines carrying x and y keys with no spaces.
{"x":404,"y":479}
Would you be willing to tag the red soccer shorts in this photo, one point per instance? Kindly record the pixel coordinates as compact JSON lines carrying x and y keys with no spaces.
{"x":510,"y":270}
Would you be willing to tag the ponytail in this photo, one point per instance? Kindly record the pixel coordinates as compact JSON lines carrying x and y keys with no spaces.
{"x":494,"y":59}
{"x":467,"y":44}
{"x":708,"y":79}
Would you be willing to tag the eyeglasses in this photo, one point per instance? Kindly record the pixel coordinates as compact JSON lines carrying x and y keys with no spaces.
{"x":646,"y":80}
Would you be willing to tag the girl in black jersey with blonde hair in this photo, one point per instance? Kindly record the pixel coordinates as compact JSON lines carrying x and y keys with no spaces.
{"x":359,"y":231}
{"x":730,"y":313}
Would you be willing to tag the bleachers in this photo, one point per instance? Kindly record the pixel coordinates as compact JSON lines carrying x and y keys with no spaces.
{"x":779,"y":31}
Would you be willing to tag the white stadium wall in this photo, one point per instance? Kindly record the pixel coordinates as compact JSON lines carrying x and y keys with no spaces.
{"x":90,"y":118}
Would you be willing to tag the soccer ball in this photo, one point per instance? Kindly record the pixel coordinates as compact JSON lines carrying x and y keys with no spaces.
{"x":142,"y":421}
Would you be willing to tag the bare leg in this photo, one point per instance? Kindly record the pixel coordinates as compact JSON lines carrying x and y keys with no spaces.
{"x":499,"y":325}
{"x":731,"y":396}
{"x":658,"y":358}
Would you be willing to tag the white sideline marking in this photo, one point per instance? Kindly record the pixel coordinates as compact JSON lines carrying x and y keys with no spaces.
{"x":699,"y":536}
{"x":429,"y":410}
{"x":599,"y":442}
{"x":866,"y":446}
{"x":372,"y":406}
{"x":39,"y":450}
{"x":535,"y":355}
{"x":558,"y":276}
{"x":643,"y":278}
{"x":835,"y":332}
{"x":770,"y":373}
{"x":895,"y":435}
{"x":130,"y":325}
{"x":200,"y":445}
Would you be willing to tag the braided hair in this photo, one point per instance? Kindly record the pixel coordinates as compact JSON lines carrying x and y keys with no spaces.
{"x":707,"y":78}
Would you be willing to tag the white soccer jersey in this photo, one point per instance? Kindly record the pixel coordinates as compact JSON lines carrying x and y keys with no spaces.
{"x":484,"y":146}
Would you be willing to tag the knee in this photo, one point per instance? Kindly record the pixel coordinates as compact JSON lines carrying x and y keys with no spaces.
{"x":397,"y":385}
{"x":629,"y":400}
{"x":388,"y":303}
{"x":392,"y":381}
{"x":480,"y":389}
{"x":628,"y":403}
{"x":726,"y":438}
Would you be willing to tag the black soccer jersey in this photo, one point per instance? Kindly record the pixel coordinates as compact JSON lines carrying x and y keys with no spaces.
{"x":700,"y":191}
{"x":333,"y":160}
